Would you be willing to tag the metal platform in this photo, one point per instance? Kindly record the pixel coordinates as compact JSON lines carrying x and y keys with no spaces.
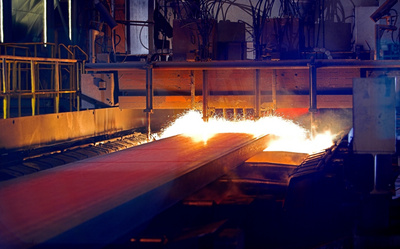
{"x":94,"y":201}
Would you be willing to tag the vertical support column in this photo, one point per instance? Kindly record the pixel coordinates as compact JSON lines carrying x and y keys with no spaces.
{"x":8,"y":87}
{"x":52,"y":80}
{"x":19,"y":89}
{"x":377,"y":55}
{"x":14,"y":76}
{"x":57,"y":88}
{"x":33,"y":87}
{"x":74,"y":18}
{"x":7,"y":22}
{"x":192,"y":90}
{"x":274,"y":89}
{"x":128,"y":27}
{"x":257,"y":94}
{"x":313,"y":87}
{"x":312,"y":69}
{"x":4,"y":84}
{"x":79,"y":68}
{"x":151,"y":27}
{"x":71,"y":86}
{"x":205,"y":95}
{"x":149,"y":98}
{"x":15,"y":88}
{"x":50,"y":23}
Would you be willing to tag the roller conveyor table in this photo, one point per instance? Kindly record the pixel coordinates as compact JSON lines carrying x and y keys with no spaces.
{"x":92,"y":202}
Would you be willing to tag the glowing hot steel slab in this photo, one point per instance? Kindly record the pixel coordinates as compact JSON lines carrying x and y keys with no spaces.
{"x":277,"y":158}
{"x":275,"y":166}
{"x":97,"y":200}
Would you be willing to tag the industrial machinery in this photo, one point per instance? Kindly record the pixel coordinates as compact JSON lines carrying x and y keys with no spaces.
{"x":86,"y":93}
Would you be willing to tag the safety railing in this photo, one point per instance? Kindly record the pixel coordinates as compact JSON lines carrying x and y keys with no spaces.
{"x":30,"y":49}
{"x":26,"y":81}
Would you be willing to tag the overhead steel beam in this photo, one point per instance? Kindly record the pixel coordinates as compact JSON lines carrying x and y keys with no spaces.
{"x":250,"y":65}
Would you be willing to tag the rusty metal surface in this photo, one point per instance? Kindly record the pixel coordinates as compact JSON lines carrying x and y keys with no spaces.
{"x":94,"y":201}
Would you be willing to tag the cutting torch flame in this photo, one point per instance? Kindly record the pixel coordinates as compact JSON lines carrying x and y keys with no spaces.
{"x":289,"y":135}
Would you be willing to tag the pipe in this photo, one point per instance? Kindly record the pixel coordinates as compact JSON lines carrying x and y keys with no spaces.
{"x":216,"y":65}
{"x":105,"y":14}
{"x":249,"y":65}
{"x":93,"y":33}
{"x":115,"y":66}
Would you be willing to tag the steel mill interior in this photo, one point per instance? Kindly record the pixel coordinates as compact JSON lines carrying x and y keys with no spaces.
{"x":177,"y":124}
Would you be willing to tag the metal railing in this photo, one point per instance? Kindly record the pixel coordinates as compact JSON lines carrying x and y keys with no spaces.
{"x":31,"y":49}
{"x":26,"y":81}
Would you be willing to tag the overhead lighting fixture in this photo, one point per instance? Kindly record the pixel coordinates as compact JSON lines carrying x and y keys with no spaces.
{"x":1,"y":22}
{"x":70,"y":20}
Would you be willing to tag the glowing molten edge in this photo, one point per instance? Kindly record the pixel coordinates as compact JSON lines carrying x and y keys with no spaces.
{"x":290,"y":136}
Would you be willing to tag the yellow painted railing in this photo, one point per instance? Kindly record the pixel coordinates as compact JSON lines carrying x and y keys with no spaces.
{"x":38,"y":78}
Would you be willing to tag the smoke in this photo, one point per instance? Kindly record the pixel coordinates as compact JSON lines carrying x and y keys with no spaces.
{"x":334,"y":120}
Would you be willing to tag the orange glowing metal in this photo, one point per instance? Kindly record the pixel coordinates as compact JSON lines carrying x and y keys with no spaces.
{"x":301,"y":143}
{"x":291,"y":136}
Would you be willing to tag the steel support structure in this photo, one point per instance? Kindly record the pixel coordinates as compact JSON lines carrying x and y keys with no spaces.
{"x":57,"y":87}
{"x":312,"y":70}
{"x":310,"y":65}
{"x":274,"y":83}
{"x":149,"y":99}
{"x":11,"y":86}
{"x":192,"y":90}
{"x":205,"y":95}
{"x":257,"y":94}
{"x":4,"y":87}
{"x":33,"y":86}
